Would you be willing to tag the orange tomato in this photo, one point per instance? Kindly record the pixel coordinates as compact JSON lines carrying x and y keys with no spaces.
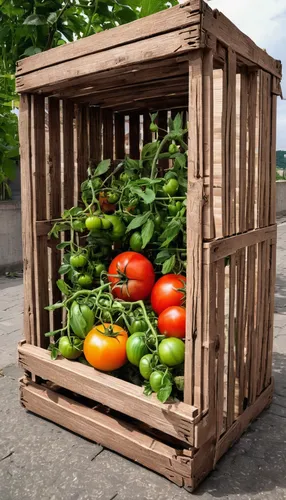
{"x":105,"y":347}
{"x":104,"y":205}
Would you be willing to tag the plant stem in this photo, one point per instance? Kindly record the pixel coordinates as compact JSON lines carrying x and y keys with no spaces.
{"x":154,"y":163}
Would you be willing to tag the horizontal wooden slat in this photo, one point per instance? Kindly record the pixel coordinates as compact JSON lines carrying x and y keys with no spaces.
{"x":174,"y":419}
{"x":228,"y":246}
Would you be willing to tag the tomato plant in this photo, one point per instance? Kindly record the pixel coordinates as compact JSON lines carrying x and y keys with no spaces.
{"x":167,"y":292}
{"x":172,"y":322}
{"x":132,"y":276}
{"x":172,"y":351}
{"x":105,"y":347}
{"x":78,"y":260}
{"x":70,"y":349}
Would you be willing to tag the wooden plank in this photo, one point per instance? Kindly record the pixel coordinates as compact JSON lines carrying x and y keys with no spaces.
{"x":230,"y":141}
{"x":193,"y":351}
{"x":161,"y":22}
{"x":259,"y":313}
{"x":40,"y":212}
{"x":95,"y":135}
{"x":221,"y":345}
{"x":68,"y":154}
{"x":176,"y":42}
{"x":250,"y":302}
{"x":271,"y":298}
{"x":228,"y":246}
{"x":265,"y":319}
{"x":119,"y":124}
{"x":272,"y":215}
{"x":174,"y":419}
{"x":224,"y":157}
{"x":147,"y":134}
{"x":134,"y":135}
{"x":111,"y":432}
{"x":216,"y":24}
{"x":242,"y":151}
{"x":267,"y":160}
{"x":208,"y":112}
{"x":252,"y":98}
{"x":27,"y":217}
{"x":243,"y":421}
{"x":240,"y":325}
{"x":231,"y":342}
{"x":82,"y":127}
{"x":107,"y":122}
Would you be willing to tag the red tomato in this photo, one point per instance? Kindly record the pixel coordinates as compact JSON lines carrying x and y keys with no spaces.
{"x":172,"y":322}
{"x":132,"y":276}
{"x":165,"y":292}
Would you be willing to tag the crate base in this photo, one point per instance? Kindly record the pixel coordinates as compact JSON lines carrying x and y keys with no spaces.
{"x":185,"y":467}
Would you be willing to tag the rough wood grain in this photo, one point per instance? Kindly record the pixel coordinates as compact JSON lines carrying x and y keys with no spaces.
{"x":95,"y":135}
{"x":230,"y":140}
{"x":119,"y":130}
{"x":208,"y":113}
{"x":174,"y":419}
{"x":107,"y":122}
{"x":82,"y":127}
{"x":68,"y":154}
{"x":250,"y":301}
{"x":147,"y":134}
{"x":252,"y":99}
{"x":240,"y":325}
{"x":221,"y":346}
{"x":134,"y":135}
{"x":272,"y":215}
{"x":265,"y":320}
{"x":271,"y":312}
{"x":231,"y":343}
{"x":242,"y":151}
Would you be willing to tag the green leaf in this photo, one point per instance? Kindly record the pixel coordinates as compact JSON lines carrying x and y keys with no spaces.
{"x":54,"y":353}
{"x":64,"y":269}
{"x":149,"y":150}
{"x":102,"y":167}
{"x":168,"y":265}
{"x":165,"y":391}
{"x":153,"y":116}
{"x":180,"y":161}
{"x":148,"y":196}
{"x":63,"y":287}
{"x":64,"y":244}
{"x":52,"y":18}
{"x":138,"y":221}
{"x":162,"y":256}
{"x":171,"y":232}
{"x":126,"y":14}
{"x":178,"y":123}
{"x":9,"y":168}
{"x":35,"y":20}
{"x":75,"y":211}
{"x":53,"y":307}
{"x":30,"y":51}
{"x":147,"y":232}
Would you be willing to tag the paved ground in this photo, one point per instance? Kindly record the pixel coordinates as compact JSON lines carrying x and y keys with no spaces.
{"x":40,"y":461}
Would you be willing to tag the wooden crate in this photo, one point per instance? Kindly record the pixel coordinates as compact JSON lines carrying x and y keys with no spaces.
{"x":90,"y":100}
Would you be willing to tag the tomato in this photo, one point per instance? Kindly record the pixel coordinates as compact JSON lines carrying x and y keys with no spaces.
{"x":118,"y":227}
{"x":157,"y":222}
{"x":78,"y":260}
{"x":174,"y":208}
{"x":153,"y":127}
{"x":81,"y":319}
{"x":105,"y":223}
{"x":104,"y":205}
{"x":135,"y":241}
{"x":124,"y":177}
{"x":136,"y":348}
{"x":171,"y":351}
{"x":132,"y":276}
{"x":156,"y":380}
{"x":173,"y":148}
{"x":105,"y":347}
{"x":145,"y":366}
{"x":112,"y":197}
{"x":165,"y":292}
{"x":138,"y":325}
{"x":70,"y":349}
{"x":172,"y":322}
{"x":93,"y":222}
{"x":99,"y":268}
{"x":85,"y":280}
{"x":171,"y":187}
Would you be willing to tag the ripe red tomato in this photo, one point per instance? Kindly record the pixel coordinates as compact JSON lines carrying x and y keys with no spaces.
{"x":165,"y":292}
{"x":105,"y":347}
{"x":132,"y":276}
{"x":172,"y":322}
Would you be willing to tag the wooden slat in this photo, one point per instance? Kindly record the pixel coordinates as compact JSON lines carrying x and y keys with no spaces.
{"x":119,"y":124}
{"x":221,"y":345}
{"x":230,"y":140}
{"x":193,"y":356}
{"x":240,"y":324}
{"x":134,"y":135}
{"x":265,"y":320}
{"x":271,"y":312}
{"x":273,"y":111}
{"x":208,"y":216}
{"x":162,"y":121}
{"x":176,"y":420}
{"x":111,"y":432}
{"x":224,"y":160}
{"x":259,"y":313}
{"x":95,"y":134}
{"x":228,"y":246}
{"x":147,"y":134}
{"x":107,"y":122}
{"x":40,"y":212}
{"x":68,"y":154}
{"x":82,"y":127}
{"x":242,"y":151}
{"x":252,"y":97}
{"x":250,"y":301}
{"x":27,"y":217}
{"x":231,"y":343}
{"x":162,"y":22}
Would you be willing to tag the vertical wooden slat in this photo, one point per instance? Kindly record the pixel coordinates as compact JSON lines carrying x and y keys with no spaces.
{"x":240,"y":325}
{"x":250,"y":301}
{"x":27,"y":217}
{"x":107,"y":122}
{"x":271,"y":312}
{"x":224,"y":159}
{"x":68,"y":154}
{"x":147,"y":134}
{"x":242,"y":151}
{"x":273,"y":115}
{"x":265,"y":319}
{"x":252,"y":98}
{"x":162,"y":120}
{"x":134,"y":135}
{"x":260,"y":310}
{"x":40,"y":213}
{"x":95,"y":135}
{"x":82,"y":145}
{"x":230,"y":140}
{"x":193,"y":355}
{"x":231,"y":341}
{"x":55,"y":197}
{"x":221,"y":338}
{"x":119,"y":123}
{"x":208,"y":214}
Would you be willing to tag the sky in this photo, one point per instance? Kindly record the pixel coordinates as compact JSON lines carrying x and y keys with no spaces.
{"x":265,"y":22}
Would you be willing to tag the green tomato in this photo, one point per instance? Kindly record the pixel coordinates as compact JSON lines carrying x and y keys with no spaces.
{"x":153,"y":127}
{"x":99,"y":268}
{"x":174,"y":208}
{"x":112,"y":197}
{"x":81,"y":319}
{"x":171,"y":351}
{"x":135,"y":242}
{"x":70,"y":349}
{"x":106,"y":224}
{"x":157,"y":222}
{"x":93,"y":222}
{"x":124,"y":177}
{"x":138,"y":325}
{"x":156,"y":380}
{"x":171,"y":187}
{"x":173,"y":148}
{"x":136,"y":348}
{"x":78,"y":260}
{"x":85,"y":280}
{"x":145,"y":366}
{"x":118,"y":227}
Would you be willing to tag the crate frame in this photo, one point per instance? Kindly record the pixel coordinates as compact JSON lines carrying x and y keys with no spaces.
{"x":181,"y":48}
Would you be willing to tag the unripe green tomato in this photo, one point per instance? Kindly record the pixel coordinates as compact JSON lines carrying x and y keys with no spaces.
{"x":136,"y":348}
{"x":70,"y":350}
{"x":145,"y":367}
{"x":173,"y":148}
{"x":106,"y":224}
{"x":99,"y":268}
{"x":124,"y":177}
{"x":138,"y":325}
{"x":156,"y":380}
{"x":135,"y":242}
{"x":112,"y":197}
{"x":171,"y":351}
{"x":93,"y":223}
{"x":171,"y":187}
{"x":153,"y":127}
{"x":157,"y":222}
{"x":85,"y":280}
{"x":174,"y":208}
{"x":78,"y":260}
